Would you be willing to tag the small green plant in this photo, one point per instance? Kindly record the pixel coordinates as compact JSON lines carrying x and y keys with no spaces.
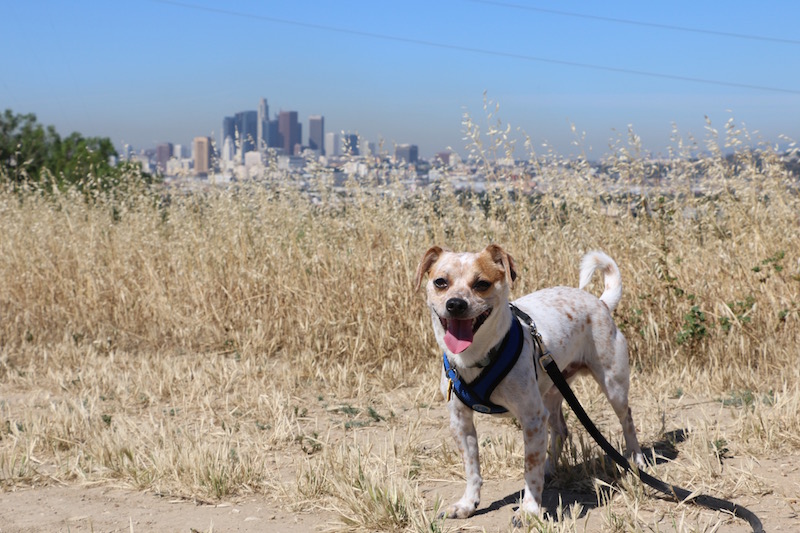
{"x":748,"y":398}
{"x":720,"y":448}
{"x":694,"y":326}
{"x":741,"y":310}
{"x":775,"y":261}
{"x":348,"y":410}
{"x":744,"y":398}
{"x":309,"y":444}
{"x":373,"y":414}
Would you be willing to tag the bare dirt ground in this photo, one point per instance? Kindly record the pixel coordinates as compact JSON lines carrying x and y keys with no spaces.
{"x":109,"y":508}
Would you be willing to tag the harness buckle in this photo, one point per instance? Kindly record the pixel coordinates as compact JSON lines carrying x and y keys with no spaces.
{"x":545,"y":360}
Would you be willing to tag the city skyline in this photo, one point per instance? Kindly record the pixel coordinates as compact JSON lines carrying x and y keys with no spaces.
{"x":150,"y":72}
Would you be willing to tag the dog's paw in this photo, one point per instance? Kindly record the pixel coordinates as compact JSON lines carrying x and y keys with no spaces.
{"x":460,"y":509}
{"x":639,"y":460}
{"x":529,"y":515}
{"x":524,"y":520}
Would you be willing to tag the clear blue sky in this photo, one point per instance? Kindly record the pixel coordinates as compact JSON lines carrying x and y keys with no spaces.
{"x":144,"y":71}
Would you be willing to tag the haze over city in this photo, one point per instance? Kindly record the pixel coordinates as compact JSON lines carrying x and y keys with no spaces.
{"x":147,"y":72}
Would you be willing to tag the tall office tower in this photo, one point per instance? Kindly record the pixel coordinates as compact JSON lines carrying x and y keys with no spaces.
{"x":263,"y":126}
{"x":247,"y":128}
{"x":275,"y":139}
{"x":333,"y":145}
{"x":289,"y":130}
{"x":350,"y":144}
{"x":228,"y":131}
{"x":202,"y":156}
{"x":406,"y":152}
{"x":163,"y":154}
{"x":316,"y":133}
{"x":298,"y":146}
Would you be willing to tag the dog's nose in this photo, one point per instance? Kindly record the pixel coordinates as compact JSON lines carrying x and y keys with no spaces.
{"x":456,"y":306}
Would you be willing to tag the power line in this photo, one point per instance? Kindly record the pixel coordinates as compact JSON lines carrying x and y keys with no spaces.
{"x":670,"y":27}
{"x":475,"y":50}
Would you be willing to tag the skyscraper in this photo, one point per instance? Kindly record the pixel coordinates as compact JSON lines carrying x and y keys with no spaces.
{"x":163,"y":154}
{"x":247,"y":128}
{"x":202,"y":155}
{"x":263,"y":126}
{"x":275,"y":139}
{"x":406,"y":152}
{"x":333,"y":144}
{"x":289,"y":129}
{"x":316,"y":133}
{"x":228,"y":131}
{"x":350,"y":144}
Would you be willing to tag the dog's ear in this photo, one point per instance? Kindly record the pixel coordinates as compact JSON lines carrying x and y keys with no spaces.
{"x":504,"y":259}
{"x":430,"y":257}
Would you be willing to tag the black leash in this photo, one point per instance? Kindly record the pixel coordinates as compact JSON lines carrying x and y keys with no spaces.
{"x":677,"y":493}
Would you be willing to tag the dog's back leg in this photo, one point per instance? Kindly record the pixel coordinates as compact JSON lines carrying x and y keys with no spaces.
{"x":558,"y":429}
{"x":614,"y":379}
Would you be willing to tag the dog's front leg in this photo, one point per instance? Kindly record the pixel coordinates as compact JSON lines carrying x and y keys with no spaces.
{"x":534,"y":431}
{"x":463,"y":428}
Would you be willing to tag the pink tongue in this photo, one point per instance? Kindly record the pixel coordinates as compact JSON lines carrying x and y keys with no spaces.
{"x":458,"y":336}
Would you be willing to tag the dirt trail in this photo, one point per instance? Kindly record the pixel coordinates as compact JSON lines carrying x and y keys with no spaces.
{"x":108,"y":509}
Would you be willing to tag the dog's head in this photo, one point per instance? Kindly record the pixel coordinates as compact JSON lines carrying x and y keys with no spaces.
{"x":464,"y":289}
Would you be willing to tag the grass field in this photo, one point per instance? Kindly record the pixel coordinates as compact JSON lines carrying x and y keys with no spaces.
{"x":260,"y":340}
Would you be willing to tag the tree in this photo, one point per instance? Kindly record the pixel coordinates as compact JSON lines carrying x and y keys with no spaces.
{"x":32,"y":153}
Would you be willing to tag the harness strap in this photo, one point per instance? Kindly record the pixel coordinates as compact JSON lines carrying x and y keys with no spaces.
{"x":476,"y":394}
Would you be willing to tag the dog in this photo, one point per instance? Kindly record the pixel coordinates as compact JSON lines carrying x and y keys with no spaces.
{"x":468,"y":297}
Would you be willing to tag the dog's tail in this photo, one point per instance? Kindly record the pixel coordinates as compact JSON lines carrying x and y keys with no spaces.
{"x":612,"y":279}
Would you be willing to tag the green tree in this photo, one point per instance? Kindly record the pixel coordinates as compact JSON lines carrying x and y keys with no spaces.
{"x":33,"y":153}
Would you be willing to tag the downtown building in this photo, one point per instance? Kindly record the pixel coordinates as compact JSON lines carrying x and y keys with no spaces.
{"x":408,"y":153}
{"x":290,"y":131}
{"x":239,"y":135}
{"x":316,"y":133}
{"x":263,"y":128}
{"x":164,"y":153}
{"x":203,"y":152}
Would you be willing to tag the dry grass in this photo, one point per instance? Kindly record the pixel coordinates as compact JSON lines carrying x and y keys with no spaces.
{"x":262,"y":339}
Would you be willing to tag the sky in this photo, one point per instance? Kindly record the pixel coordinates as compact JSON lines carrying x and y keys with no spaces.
{"x":571,"y":76}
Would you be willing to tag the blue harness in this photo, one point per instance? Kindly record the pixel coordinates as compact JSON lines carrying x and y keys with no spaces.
{"x":502,"y":358}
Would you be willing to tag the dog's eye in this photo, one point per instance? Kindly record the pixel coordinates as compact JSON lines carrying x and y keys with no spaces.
{"x":481,"y":285}
{"x":440,"y":283}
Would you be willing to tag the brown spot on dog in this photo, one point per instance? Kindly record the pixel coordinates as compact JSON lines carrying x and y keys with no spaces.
{"x":572,"y":369}
{"x":532,"y":460}
{"x":588,"y":319}
{"x":569,"y":316}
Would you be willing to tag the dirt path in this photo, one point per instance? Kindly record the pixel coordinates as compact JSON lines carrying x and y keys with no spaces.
{"x":108,"y":509}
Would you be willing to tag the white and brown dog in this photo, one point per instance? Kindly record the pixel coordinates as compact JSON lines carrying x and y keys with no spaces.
{"x":468,"y":296}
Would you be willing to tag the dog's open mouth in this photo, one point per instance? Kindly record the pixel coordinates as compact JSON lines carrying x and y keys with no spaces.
{"x":459,"y":332}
